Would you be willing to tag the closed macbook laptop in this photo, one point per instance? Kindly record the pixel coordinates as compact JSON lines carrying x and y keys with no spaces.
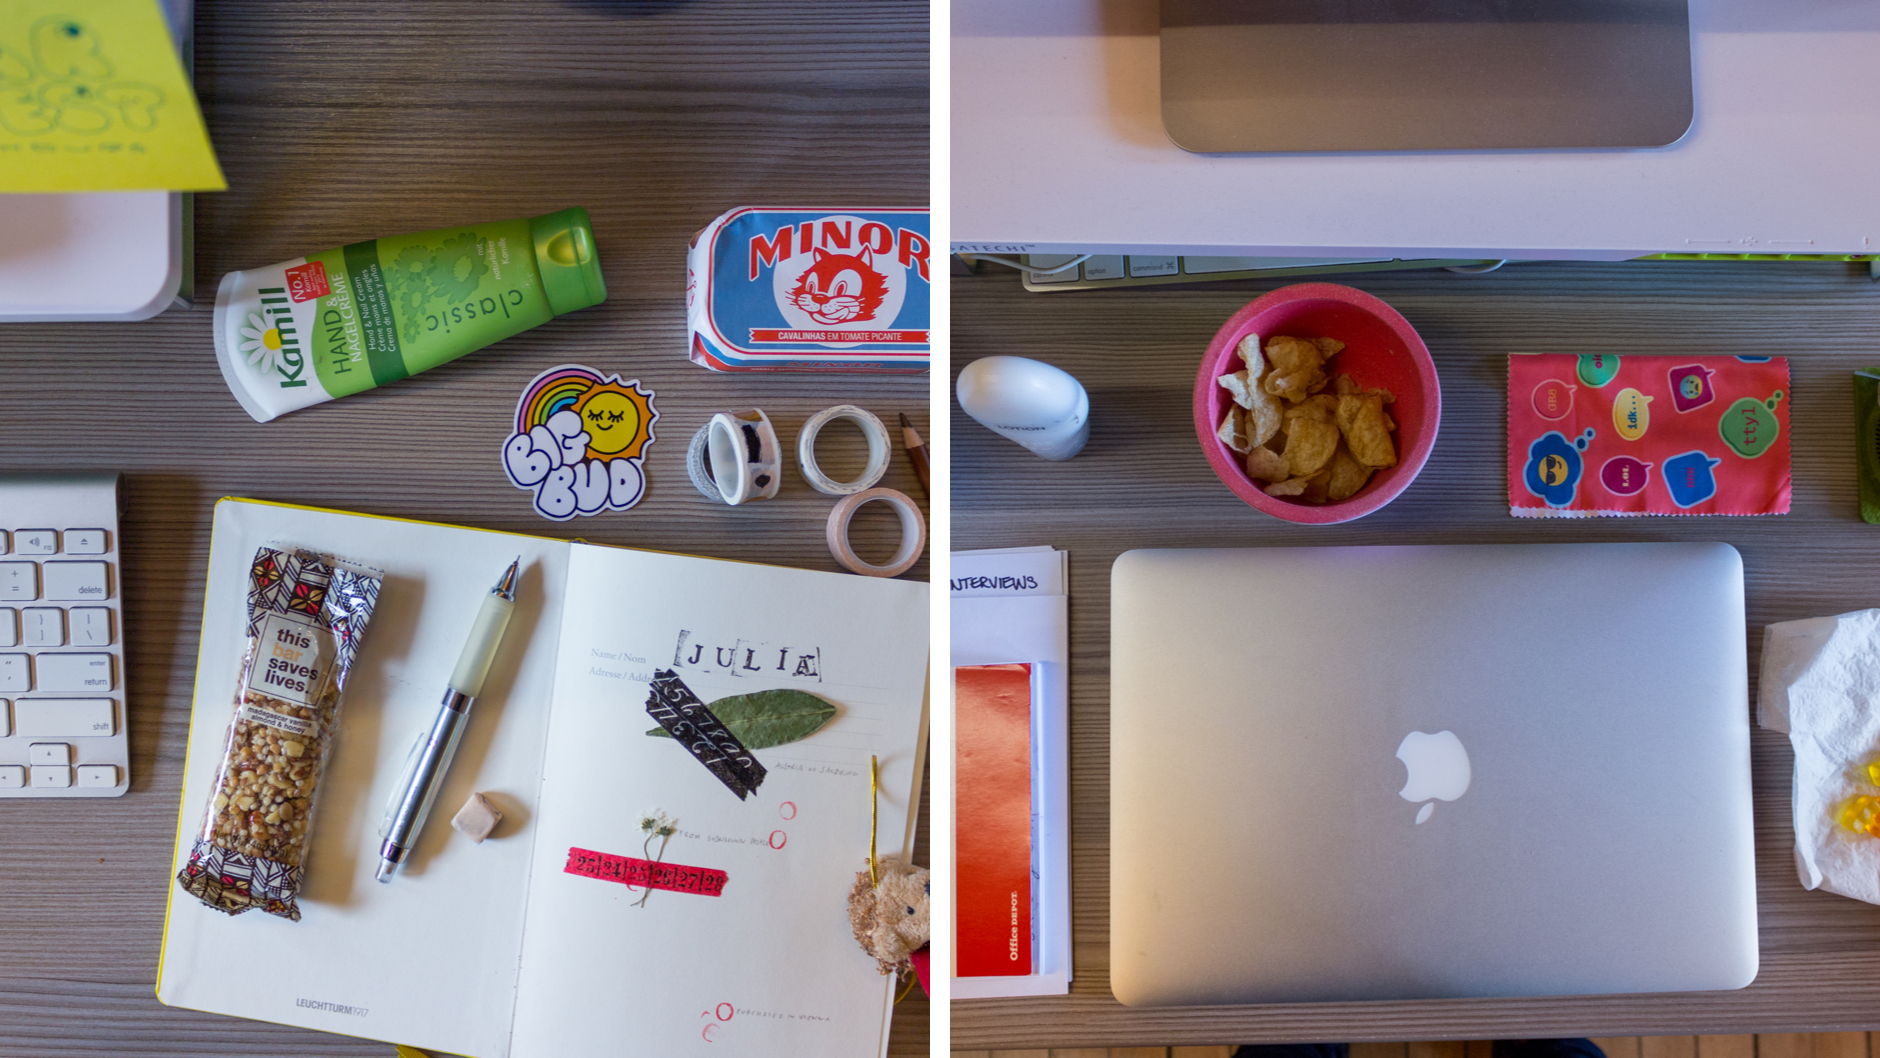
{"x":1357,"y":773}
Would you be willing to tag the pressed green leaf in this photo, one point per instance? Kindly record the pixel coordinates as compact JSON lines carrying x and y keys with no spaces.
{"x":769,"y":718}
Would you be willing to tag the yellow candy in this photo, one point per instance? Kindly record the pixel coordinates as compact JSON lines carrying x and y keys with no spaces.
{"x":1860,"y":813}
{"x":1873,"y":773}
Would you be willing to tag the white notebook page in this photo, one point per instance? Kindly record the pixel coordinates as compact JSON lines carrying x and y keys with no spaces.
{"x":428,"y":959}
{"x":770,"y":965}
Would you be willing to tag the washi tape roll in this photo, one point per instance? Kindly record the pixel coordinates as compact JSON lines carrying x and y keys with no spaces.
{"x":736,"y":458}
{"x":913,"y":533}
{"x":876,"y":433}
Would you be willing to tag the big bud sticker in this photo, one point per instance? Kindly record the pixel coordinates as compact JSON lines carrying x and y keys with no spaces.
{"x":1631,"y":414}
{"x":579,"y":442}
{"x":1751,"y":426}
{"x":1553,"y":399}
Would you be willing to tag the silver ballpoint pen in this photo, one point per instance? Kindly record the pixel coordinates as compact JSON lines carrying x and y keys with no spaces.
{"x":413,"y":801}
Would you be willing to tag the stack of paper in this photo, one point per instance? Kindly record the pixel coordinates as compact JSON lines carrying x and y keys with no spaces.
{"x":1010,"y":607}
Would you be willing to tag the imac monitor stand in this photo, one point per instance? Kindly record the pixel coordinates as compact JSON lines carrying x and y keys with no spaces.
{"x":1425,"y":75}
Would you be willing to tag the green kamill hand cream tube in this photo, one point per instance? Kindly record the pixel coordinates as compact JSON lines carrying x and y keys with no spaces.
{"x":335,"y":323}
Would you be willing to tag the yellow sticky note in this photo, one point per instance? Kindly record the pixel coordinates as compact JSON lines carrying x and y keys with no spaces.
{"x":93,"y":98}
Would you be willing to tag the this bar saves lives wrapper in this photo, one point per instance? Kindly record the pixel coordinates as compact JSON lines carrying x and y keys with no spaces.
{"x":306,"y":616}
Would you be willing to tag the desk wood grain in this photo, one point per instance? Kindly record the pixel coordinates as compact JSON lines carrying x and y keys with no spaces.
{"x":1143,"y":481}
{"x":346,"y":120}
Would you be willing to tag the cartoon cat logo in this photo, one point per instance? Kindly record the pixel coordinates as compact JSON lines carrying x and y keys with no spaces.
{"x":840,"y":288}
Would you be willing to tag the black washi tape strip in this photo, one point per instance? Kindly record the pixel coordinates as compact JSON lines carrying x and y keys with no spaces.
{"x":693,"y":725}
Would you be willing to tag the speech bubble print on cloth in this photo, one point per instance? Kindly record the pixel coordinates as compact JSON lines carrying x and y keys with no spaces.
{"x":1554,"y":466}
{"x":1750,"y":426}
{"x":580,"y":441}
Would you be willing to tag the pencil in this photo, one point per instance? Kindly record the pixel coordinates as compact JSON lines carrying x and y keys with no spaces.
{"x":916,"y":453}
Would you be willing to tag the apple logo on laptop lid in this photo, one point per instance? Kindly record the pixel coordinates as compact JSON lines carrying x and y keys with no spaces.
{"x":1438,"y":767}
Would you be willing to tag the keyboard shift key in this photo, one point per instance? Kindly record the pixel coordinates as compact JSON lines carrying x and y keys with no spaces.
{"x":76,"y":582}
{"x":19,"y":581}
{"x":51,"y":778}
{"x":94,"y":775}
{"x":64,"y":717}
{"x":36,"y":542}
{"x":16,"y":673}
{"x":6,"y":718}
{"x":69,"y":673}
{"x":85,"y":542}
{"x":91,"y":626}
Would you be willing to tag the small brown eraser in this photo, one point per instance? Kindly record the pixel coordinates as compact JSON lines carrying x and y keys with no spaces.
{"x":476,"y":818}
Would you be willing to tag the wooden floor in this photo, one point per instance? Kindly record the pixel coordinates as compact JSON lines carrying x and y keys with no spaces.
{"x":1775,"y":1045}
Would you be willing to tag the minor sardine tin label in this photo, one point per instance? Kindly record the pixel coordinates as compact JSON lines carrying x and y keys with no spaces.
{"x":811,"y":289}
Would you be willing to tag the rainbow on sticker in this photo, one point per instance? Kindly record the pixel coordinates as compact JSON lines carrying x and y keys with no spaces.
{"x":580,"y":441}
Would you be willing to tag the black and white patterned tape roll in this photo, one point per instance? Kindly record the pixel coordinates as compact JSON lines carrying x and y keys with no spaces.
{"x":876,"y":433}
{"x":913,"y":533}
{"x":735,"y":457}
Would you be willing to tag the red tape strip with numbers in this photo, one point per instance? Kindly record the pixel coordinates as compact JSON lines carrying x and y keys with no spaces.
{"x":627,"y":870}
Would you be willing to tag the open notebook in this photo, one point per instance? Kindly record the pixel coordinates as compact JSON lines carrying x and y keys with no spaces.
{"x":497,"y":949}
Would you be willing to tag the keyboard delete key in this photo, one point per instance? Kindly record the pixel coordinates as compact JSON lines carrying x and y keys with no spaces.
{"x":75,"y":581}
{"x":66,"y":673}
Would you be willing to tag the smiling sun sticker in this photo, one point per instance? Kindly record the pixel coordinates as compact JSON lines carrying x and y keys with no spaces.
{"x":612,"y":414}
{"x":580,"y":439}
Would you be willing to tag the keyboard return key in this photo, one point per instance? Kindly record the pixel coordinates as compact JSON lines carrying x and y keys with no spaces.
{"x":73,"y":673}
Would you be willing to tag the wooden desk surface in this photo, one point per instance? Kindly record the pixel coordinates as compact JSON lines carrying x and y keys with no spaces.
{"x":347,"y":120}
{"x":1142,"y":481}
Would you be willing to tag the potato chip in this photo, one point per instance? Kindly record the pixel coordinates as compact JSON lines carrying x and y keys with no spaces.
{"x":1366,"y":429}
{"x":1289,"y":487}
{"x":1315,"y":446}
{"x":1348,"y":476}
{"x":1310,"y":441}
{"x":1241,"y":387}
{"x":1249,"y":350}
{"x":1265,"y":417}
{"x":1297,"y":368}
{"x":1264,"y":464}
{"x":1233,"y":429}
{"x":1311,"y":489}
{"x":1318,"y":486}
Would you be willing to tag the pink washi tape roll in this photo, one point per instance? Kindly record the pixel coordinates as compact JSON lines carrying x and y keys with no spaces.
{"x":913,"y":533}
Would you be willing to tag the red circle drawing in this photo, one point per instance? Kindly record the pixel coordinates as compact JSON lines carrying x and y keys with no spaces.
{"x":778,"y":838}
{"x":725,"y":1010}
{"x":787,"y":810}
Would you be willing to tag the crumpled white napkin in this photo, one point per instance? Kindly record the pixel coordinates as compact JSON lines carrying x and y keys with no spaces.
{"x":1821,"y":685}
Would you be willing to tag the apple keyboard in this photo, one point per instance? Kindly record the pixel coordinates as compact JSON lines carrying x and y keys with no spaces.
{"x":62,"y":703}
{"x":1110,"y":271}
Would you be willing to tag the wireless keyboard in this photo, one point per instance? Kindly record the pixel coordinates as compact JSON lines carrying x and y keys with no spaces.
{"x":1109,"y":271}
{"x":62,"y":705}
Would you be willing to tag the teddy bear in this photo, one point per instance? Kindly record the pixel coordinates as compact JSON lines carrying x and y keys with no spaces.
{"x":890,"y":919}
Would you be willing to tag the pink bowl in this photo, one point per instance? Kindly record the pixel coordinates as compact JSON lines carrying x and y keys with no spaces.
{"x":1381,"y":349}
